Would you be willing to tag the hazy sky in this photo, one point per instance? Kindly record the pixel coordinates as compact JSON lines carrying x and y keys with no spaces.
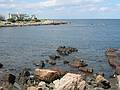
{"x":68,"y":9}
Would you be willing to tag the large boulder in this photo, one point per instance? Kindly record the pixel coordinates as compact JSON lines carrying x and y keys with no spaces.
{"x":47,"y":75}
{"x":70,"y":82}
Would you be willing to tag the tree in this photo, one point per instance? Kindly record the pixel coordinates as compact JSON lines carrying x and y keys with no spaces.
{"x":2,"y":18}
{"x":11,"y":20}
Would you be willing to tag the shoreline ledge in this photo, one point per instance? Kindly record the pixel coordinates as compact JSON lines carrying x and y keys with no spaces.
{"x":31,"y":23}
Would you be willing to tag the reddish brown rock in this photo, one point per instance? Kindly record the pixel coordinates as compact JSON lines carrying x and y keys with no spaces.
{"x":61,"y":71}
{"x":47,"y":75}
{"x":78,"y":63}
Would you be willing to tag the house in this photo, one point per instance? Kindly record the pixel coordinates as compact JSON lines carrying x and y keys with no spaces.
{"x":18,"y":16}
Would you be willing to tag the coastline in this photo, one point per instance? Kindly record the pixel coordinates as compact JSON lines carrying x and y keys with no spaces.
{"x":46,"y":22}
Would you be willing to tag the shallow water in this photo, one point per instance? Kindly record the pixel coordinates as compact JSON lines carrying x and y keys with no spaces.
{"x":21,"y":46}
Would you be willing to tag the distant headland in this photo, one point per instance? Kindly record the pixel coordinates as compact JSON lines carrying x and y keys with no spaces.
{"x":19,"y":19}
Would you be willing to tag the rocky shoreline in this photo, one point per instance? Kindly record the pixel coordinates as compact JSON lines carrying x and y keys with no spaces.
{"x":46,"y":22}
{"x":55,"y":78}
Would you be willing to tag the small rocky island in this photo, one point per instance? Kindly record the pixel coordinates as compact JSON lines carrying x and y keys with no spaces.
{"x":55,"y":78}
{"x":25,"y":20}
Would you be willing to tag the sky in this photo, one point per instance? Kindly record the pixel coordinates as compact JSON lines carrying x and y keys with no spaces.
{"x":63,"y":9}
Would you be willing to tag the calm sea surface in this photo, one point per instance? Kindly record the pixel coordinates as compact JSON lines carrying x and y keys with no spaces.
{"x":22,"y":46}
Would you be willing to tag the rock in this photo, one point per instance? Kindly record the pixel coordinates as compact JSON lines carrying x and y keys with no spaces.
{"x":1,"y":65}
{"x":24,"y":76}
{"x":54,"y":57}
{"x":40,"y":65}
{"x":78,"y":63}
{"x":47,"y":75}
{"x":70,"y":82}
{"x":117,"y":70}
{"x":102,"y":82}
{"x":7,"y":81}
{"x":52,"y":62}
{"x":66,"y":62}
{"x":32,"y":88}
{"x":61,"y":71}
{"x":11,"y":79}
{"x":27,"y":73}
{"x":118,"y":79}
{"x":42,"y":86}
{"x":86,"y":70}
{"x":62,"y":50}
{"x":113,"y":56}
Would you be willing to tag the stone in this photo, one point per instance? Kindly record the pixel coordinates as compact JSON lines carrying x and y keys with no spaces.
{"x":62,"y":50}
{"x":61,"y":71}
{"x":32,"y":88}
{"x":66,"y":62}
{"x":52,"y":62}
{"x":1,"y":65}
{"x":113,"y":56}
{"x":102,"y":82}
{"x":70,"y":81}
{"x":7,"y":81}
{"x":86,"y":70}
{"x":118,"y":80}
{"x":78,"y":63}
{"x":41,"y":64}
{"x":11,"y":79}
{"x":47,"y":75}
{"x":117,"y":70}
{"x":54,"y":57}
{"x":42,"y":86}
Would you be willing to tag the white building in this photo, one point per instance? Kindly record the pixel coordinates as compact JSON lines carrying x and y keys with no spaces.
{"x":18,"y":16}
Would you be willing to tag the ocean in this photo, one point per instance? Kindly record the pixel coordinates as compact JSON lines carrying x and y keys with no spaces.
{"x":20,"y":47}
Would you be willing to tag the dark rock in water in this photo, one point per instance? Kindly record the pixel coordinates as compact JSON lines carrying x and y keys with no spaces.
{"x":54,"y":57}
{"x":86,"y":70}
{"x":11,"y":79}
{"x":40,"y":65}
{"x":78,"y":63}
{"x":62,"y":50}
{"x":66,"y":62}
{"x":52,"y":62}
{"x":1,"y":65}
